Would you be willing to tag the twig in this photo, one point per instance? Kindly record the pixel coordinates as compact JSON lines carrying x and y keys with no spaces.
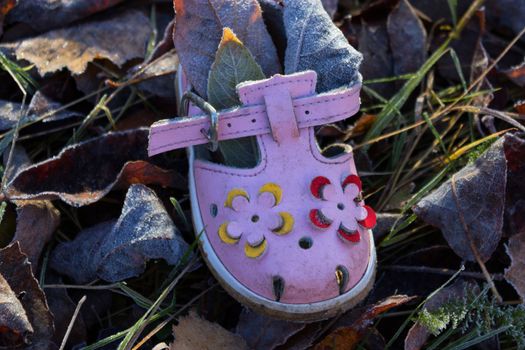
{"x":440,"y":271}
{"x":72,"y":322}
{"x":473,"y":247}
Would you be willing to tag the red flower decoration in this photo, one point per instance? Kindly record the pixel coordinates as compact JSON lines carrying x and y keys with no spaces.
{"x":341,"y":205}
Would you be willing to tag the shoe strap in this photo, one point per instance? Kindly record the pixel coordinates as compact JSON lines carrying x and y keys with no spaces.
{"x":167,"y":135}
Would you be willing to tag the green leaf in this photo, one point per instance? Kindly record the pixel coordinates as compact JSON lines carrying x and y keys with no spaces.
{"x":233,"y":64}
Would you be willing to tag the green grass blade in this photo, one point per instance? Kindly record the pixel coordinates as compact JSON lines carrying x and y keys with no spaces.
{"x":390,"y":110}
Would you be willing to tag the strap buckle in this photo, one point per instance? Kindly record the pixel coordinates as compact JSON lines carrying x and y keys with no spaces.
{"x":212,"y":134}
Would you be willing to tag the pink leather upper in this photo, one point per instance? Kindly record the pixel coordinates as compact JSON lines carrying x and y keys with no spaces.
{"x":249,"y":211}
{"x":251,"y":120}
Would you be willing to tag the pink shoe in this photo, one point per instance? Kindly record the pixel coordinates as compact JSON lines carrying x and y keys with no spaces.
{"x":290,"y":237}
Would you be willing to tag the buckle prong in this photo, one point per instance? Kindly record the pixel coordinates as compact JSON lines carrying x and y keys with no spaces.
{"x":212,"y":134}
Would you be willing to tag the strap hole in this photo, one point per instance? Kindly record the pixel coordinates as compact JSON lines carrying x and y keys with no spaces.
{"x":229,"y":125}
{"x":213,"y":210}
{"x":306,"y":243}
{"x":253,"y":120}
{"x":306,"y":112}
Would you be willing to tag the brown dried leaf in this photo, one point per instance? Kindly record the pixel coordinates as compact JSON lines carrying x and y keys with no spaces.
{"x":516,"y":74}
{"x":36,"y":222}
{"x":480,"y":193}
{"x":16,"y":270}
{"x":407,"y":39}
{"x":198,"y":31}
{"x":520,"y":107}
{"x":117,"y":39}
{"x":349,"y":337}
{"x":385,"y":222}
{"x":515,"y":274}
{"x":377,"y":56}
{"x":5,"y":7}
{"x":10,"y":112}
{"x":261,"y":332}
{"x":83,"y":173}
{"x":158,"y":76}
{"x":46,"y":14}
{"x":14,"y":324}
{"x":515,"y":202}
{"x":193,"y":332}
{"x":116,"y":250}
{"x":63,"y":308}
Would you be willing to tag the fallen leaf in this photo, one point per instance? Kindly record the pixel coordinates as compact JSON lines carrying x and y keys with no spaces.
{"x":41,"y":106}
{"x":440,"y":11}
{"x":315,"y":43}
{"x":464,"y":47}
{"x":520,"y":107}
{"x":63,"y":308}
{"x":506,"y":15}
{"x":16,"y":270}
{"x":46,"y":14}
{"x":165,"y":45}
{"x":262,"y":332}
{"x":377,"y":56}
{"x":118,"y":39}
{"x":418,"y":334}
{"x":413,"y":273}
{"x":408,"y":39}
{"x":84,"y":173}
{"x":116,"y":250}
{"x":385,"y":222}
{"x":19,"y":161}
{"x":14,"y":324}
{"x":193,"y":333}
{"x":10,"y":112}
{"x":330,"y":6}
{"x":478,"y":202}
{"x":516,"y":74}
{"x":198,"y":32}
{"x":515,"y":273}
{"x":363,"y":124}
{"x":349,"y":337}
{"x":35,"y":224}
{"x":36,"y":221}
{"x":514,"y":201}
{"x":515,"y":212}
{"x":158,"y":76}
{"x":5,"y":7}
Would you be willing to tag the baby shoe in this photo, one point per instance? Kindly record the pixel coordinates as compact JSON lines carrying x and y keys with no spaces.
{"x":291,"y":236}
